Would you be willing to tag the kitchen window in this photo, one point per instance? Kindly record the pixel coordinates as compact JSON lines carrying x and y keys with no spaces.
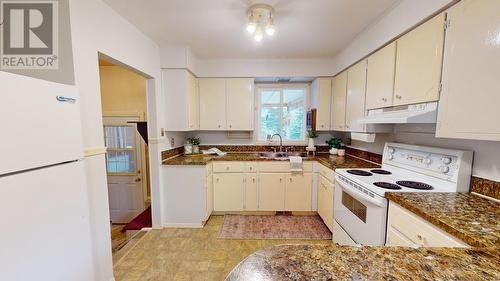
{"x":282,"y":110}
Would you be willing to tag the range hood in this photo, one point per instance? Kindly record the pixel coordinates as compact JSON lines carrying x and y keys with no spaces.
{"x":415,"y":113}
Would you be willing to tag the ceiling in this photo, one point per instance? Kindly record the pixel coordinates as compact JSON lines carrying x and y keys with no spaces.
{"x":216,"y":28}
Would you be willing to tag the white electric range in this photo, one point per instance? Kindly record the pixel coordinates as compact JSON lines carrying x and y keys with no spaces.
{"x":360,"y":209}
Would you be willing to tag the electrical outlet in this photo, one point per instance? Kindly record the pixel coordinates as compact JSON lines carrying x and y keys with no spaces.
{"x":172,"y":142}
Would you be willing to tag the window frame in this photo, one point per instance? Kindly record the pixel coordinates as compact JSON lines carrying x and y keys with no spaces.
{"x":270,"y":86}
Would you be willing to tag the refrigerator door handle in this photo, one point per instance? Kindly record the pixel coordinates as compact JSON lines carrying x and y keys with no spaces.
{"x":65,"y":99}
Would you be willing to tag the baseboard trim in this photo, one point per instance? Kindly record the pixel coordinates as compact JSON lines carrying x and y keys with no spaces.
{"x":183,"y":225}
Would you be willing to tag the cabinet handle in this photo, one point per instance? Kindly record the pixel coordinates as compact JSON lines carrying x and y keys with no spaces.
{"x":219,"y":126}
{"x":384,"y":99}
{"x":322,"y":126}
{"x":230,"y":126}
{"x":290,"y":179}
{"x":253,"y":179}
{"x":398,"y":97}
{"x":217,"y":179}
{"x":250,"y":168}
{"x":281,"y":180}
{"x":227,"y":168}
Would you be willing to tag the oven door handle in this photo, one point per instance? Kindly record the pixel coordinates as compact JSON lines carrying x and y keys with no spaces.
{"x":357,"y":194}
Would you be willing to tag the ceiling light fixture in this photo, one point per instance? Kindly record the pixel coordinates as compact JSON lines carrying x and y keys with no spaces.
{"x":260,"y":17}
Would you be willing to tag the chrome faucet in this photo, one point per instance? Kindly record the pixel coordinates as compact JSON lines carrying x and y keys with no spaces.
{"x":281,"y":141}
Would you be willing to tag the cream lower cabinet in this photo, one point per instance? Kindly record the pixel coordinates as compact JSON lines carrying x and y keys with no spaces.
{"x":325,"y":201}
{"x":272,"y":191}
{"x":298,"y":192}
{"x":210,"y":190}
{"x":404,"y":228}
{"x":468,"y":107}
{"x":229,"y":192}
{"x":251,"y":193}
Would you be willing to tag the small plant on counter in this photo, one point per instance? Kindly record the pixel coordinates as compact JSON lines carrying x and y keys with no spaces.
{"x":194,"y":141}
{"x":334,"y":143}
{"x":312,"y":134}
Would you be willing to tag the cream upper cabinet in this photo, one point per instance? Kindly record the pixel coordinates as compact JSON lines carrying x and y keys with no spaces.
{"x":272,"y":192}
{"x":469,"y":102}
{"x":251,"y":199}
{"x":298,"y":190}
{"x":321,"y":100}
{"x":182,"y":103}
{"x":339,"y":102}
{"x":240,"y":100}
{"x":229,"y":192}
{"x":356,"y":94}
{"x":418,"y":63}
{"x":212,"y":103}
{"x":380,"y":77}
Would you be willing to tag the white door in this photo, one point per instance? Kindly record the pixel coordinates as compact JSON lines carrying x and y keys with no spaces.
{"x":124,"y":167}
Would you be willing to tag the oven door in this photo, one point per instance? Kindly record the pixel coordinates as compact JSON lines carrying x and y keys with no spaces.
{"x":361,"y":216}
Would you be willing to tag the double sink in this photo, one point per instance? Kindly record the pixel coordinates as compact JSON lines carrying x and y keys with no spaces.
{"x":279,"y":155}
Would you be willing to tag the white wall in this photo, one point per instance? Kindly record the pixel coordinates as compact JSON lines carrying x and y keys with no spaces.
{"x":402,"y":17}
{"x":263,"y":67}
{"x":97,"y":28}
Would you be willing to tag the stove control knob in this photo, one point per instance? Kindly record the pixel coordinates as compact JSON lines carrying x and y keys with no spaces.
{"x":427,"y":161}
{"x":390,"y":156}
{"x":444,"y":169}
{"x":446,"y":160}
{"x":391,"y":150}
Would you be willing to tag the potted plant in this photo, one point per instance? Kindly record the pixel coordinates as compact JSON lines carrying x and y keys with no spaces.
{"x":195,"y":142}
{"x":312,"y":135}
{"x":334,"y":144}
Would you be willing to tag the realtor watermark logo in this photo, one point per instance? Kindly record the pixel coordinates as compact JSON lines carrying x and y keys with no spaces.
{"x":29,"y":34}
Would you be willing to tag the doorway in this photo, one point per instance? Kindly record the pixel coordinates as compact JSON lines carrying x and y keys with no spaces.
{"x":124,"y":108}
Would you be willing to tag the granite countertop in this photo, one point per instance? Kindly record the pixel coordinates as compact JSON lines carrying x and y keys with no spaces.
{"x":327,"y":262}
{"x":469,"y":217}
{"x":328,"y":160}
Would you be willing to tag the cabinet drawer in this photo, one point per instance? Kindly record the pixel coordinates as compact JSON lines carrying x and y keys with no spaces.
{"x":251,"y":167}
{"x":228,"y":167}
{"x":418,"y":230}
{"x":274,"y":166}
{"x":326,"y":172}
{"x":396,"y":239}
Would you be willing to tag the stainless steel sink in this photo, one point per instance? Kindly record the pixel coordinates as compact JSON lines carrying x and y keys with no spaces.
{"x":278,"y":155}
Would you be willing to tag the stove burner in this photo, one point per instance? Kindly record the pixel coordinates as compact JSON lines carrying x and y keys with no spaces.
{"x":415,"y":185}
{"x":359,"y":173}
{"x":380,"y":172}
{"x":387,"y":185}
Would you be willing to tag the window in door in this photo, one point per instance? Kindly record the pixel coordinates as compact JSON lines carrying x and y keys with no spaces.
{"x":282,"y":110}
{"x":120,"y":143}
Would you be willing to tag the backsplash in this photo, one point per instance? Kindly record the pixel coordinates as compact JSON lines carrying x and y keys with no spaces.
{"x":485,"y":187}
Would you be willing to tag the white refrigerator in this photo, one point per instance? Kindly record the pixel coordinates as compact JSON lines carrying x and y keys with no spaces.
{"x":44,"y":211}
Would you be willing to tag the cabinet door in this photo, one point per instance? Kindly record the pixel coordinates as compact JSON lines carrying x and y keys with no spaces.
{"x":356,"y":90}
{"x":271,"y":192}
{"x":321,"y":197}
{"x":339,"y":102}
{"x":240,"y":99}
{"x":325,"y":201}
{"x":228,"y":192}
{"x":251,"y":193}
{"x":193,"y":103}
{"x":210,"y":195}
{"x":418,"y":63}
{"x":321,"y":100}
{"x":212,"y":104}
{"x":468,"y":107}
{"x":380,"y":77}
{"x":298,"y":190}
